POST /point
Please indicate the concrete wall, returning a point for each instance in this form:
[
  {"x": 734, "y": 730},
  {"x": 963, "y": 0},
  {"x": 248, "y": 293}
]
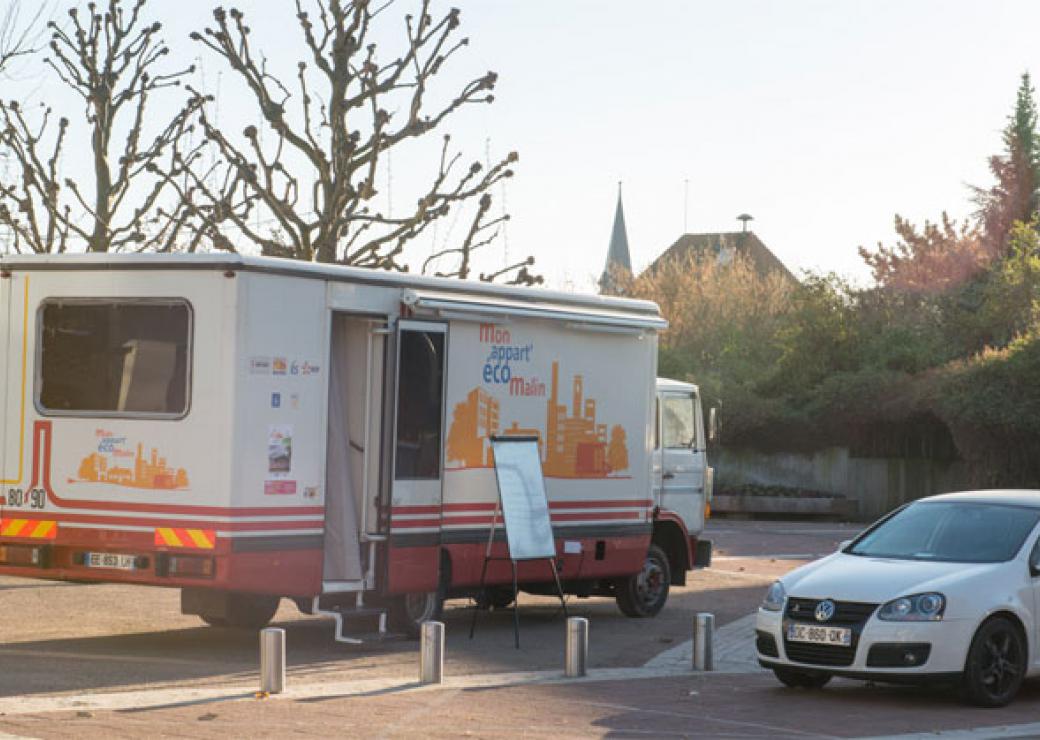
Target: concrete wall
[{"x": 875, "y": 485}]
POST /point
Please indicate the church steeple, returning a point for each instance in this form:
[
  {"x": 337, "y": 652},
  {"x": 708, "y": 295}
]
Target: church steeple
[{"x": 618, "y": 257}]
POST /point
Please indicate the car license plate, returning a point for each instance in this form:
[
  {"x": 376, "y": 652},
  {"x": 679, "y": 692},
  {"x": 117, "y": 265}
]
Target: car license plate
[
  {"x": 820, "y": 635},
  {"x": 110, "y": 560}
]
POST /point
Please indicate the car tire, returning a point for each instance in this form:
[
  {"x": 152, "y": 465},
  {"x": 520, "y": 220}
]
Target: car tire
[
  {"x": 796, "y": 679},
  {"x": 644, "y": 594},
  {"x": 996, "y": 664}
]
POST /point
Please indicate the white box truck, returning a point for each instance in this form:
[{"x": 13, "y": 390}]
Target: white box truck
[{"x": 247, "y": 429}]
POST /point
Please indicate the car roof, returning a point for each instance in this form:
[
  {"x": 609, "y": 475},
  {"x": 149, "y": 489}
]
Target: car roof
[{"x": 1017, "y": 497}]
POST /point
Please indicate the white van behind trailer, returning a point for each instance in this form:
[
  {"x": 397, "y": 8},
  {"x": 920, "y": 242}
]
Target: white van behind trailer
[{"x": 248, "y": 429}]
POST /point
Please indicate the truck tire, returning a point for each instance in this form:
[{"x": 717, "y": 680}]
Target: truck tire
[
  {"x": 644, "y": 594},
  {"x": 495, "y": 597},
  {"x": 245, "y": 611},
  {"x": 408, "y": 612}
]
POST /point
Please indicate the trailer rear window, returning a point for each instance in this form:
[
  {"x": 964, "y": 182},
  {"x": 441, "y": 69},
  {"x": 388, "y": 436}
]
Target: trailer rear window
[{"x": 114, "y": 358}]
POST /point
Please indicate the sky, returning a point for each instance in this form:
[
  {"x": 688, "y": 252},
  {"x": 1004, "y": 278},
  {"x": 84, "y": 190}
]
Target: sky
[{"x": 821, "y": 119}]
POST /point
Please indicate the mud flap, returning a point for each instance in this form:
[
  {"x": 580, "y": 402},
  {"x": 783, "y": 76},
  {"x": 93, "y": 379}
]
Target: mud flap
[{"x": 702, "y": 556}]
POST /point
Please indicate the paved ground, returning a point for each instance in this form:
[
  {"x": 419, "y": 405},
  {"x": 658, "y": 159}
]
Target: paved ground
[{"x": 108, "y": 661}]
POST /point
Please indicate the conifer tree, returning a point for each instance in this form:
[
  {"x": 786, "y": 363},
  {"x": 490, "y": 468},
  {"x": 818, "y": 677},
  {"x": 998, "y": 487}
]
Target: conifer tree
[{"x": 1017, "y": 171}]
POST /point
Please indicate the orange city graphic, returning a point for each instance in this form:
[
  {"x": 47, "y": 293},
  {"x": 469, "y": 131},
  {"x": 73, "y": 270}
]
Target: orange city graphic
[
  {"x": 574, "y": 446},
  {"x": 116, "y": 464}
]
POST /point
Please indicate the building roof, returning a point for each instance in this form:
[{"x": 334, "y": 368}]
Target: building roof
[
  {"x": 618, "y": 256},
  {"x": 723, "y": 246}
]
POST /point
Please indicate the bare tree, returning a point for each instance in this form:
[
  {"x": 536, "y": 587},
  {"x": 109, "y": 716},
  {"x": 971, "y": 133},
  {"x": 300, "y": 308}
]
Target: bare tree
[
  {"x": 313, "y": 178},
  {"x": 17, "y": 36},
  {"x": 111, "y": 59}
]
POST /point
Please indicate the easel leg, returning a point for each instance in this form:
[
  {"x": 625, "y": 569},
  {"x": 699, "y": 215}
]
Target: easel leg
[
  {"x": 559, "y": 586},
  {"x": 476, "y": 603},
  {"x": 516, "y": 609}
]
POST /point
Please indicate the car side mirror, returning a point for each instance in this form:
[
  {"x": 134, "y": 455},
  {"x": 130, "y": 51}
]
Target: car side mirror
[{"x": 713, "y": 424}]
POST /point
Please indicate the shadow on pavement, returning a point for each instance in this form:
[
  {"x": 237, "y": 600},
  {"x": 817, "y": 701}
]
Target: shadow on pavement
[{"x": 213, "y": 656}]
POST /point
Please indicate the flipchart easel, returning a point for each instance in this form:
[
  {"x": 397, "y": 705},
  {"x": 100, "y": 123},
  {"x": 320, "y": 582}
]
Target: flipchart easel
[{"x": 525, "y": 516}]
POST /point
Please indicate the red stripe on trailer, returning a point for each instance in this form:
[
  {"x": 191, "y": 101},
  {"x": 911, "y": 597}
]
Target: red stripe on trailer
[
  {"x": 601, "y": 504},
  {"x": 597, "y": 516}
]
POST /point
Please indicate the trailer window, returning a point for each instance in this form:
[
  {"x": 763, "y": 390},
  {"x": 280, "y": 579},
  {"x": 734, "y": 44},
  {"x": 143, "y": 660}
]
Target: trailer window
[
  {"x": 114, "y": 358},
  {"x": 678, "y": 428}
]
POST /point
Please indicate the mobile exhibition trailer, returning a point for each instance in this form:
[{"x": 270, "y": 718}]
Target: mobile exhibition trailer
[{"x": 248, "y": 429}]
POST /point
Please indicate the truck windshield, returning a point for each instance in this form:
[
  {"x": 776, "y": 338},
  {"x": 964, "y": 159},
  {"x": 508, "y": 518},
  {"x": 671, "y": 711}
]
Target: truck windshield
[
  {"x": 960, "y": 532},
  {"x": 114, "y": 358}
]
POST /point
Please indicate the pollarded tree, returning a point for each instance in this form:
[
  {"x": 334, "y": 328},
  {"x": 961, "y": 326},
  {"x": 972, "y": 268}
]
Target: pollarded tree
[
  {"x": 111, "y": 57},
  {"x": 303, "y": 183}
]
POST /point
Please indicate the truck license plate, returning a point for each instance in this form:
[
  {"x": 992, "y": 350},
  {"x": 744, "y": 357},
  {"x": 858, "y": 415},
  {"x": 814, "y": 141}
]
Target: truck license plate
[
  {"x": 110, "y": 560},
  {"x": 819, "y": 635}
]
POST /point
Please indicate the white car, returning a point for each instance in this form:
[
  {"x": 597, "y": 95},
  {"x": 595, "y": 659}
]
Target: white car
[{"x": 943, "y": 589}]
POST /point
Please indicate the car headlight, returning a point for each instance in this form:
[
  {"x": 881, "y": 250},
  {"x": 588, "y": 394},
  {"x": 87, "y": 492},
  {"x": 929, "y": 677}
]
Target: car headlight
[
  {"x": 775, "y": 596},
  {"x": 916, "y": 608}
]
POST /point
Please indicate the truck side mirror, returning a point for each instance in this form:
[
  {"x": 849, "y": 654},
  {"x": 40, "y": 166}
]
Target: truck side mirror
[{"x": 713, "y": 424}]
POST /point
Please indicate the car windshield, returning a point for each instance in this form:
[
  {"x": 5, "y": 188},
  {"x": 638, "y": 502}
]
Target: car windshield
[{"x": 959, "y": 532}]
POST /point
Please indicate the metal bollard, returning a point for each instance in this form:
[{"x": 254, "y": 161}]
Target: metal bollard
[
  {"x": 431, "y": 653},
  {"x": 703, "y": 642},
  {"x": 272, "y": 660},
  {"x": 577, "y": 657}
]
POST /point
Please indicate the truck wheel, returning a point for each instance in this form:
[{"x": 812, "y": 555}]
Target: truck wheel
[
  {"x": 408, "y": 612},
  {"x": 645, "y": 593},
  {"x": 495, "y": 597},
  {"x": 245, "y": 611}
]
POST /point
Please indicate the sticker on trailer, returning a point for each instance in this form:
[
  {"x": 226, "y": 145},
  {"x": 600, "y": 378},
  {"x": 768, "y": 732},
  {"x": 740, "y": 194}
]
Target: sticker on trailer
[
  {"x": 259, "y": 365},
  {"x": 279, "y": 487},
  {"x": 279, "y": 448}
]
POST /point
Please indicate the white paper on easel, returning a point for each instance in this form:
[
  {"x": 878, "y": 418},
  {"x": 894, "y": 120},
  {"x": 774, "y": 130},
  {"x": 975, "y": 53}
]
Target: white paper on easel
[{"x": 521, "y": 489}]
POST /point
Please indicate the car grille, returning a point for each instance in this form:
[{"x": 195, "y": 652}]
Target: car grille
[{"x": 851, "y": 614}]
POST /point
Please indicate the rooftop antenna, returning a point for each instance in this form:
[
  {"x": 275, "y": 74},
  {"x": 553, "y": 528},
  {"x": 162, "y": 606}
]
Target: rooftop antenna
[
  {"x": 744, "y": 218},
  {"x": 685, "y": 204}
]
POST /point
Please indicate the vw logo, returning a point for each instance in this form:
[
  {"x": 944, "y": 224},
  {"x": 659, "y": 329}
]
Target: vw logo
[{"x": 824, "y": 611}]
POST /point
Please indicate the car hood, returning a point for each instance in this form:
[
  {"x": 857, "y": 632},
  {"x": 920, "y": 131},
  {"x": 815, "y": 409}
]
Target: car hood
[{"x": 877, "y": 580}]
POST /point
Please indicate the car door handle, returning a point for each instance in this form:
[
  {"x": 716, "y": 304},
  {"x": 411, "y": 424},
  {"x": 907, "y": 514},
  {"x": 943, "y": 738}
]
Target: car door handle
[{"x": 667, "y": 476}]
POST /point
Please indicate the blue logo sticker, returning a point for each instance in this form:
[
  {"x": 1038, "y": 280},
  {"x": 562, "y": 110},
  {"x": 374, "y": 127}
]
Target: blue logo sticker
[{"x": 276, "y": 400}]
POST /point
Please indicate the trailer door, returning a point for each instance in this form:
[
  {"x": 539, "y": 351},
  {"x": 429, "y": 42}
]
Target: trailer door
[
  {"x": 418, "y": 456},
  {"x": 352, "y": 458}
]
